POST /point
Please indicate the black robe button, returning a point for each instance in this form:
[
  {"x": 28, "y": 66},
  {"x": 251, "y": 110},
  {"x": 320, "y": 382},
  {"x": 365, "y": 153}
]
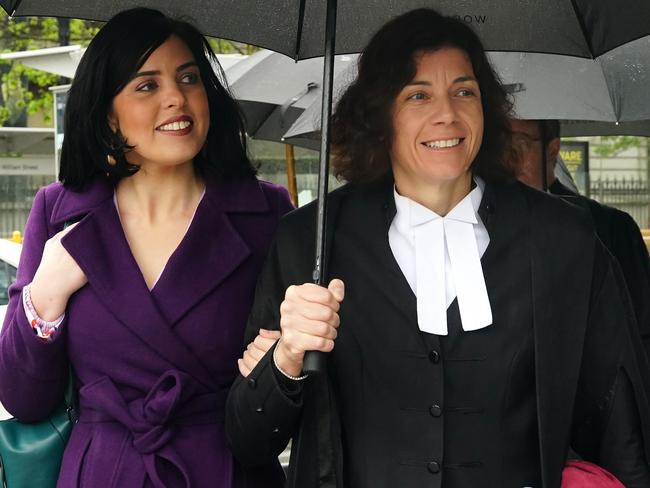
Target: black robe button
[
  {"x": 259, "y": 409},
  {"x": 434, "y": 467},
  {"x": 252, "y": 384},
  {"x": 434, "y": 356},
  {"x": 435, "y": 410}
]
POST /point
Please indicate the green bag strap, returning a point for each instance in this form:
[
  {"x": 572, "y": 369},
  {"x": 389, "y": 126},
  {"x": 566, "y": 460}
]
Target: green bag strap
[
  {"x": 68, "y": 223},
  {"x": 70, "y": 399}
]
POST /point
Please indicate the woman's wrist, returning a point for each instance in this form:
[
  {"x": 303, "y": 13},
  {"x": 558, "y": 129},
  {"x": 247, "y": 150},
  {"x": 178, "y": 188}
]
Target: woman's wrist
[
  {"x": 43, "y": 329},
  {"x": 47, "y": 306},
  {"x": 287, "y": 363}
]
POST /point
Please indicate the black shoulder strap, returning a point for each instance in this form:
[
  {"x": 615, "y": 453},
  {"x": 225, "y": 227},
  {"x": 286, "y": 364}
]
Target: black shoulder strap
[{"x": 70, "y": 399}]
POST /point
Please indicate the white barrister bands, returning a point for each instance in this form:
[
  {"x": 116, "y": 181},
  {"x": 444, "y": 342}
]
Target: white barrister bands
[{"x": 441, "y": 260}]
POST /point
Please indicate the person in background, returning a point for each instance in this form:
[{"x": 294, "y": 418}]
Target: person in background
[
  {"x": 145, "y": 298},
  {"x": 474, "y": 326},
  {"x": 536, "y": 141}
]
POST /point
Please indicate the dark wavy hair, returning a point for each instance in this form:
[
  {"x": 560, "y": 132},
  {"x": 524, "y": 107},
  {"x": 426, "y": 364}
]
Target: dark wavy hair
[
  {"x": 116, "y": 53},
  {"x": 362, "y": 130}
]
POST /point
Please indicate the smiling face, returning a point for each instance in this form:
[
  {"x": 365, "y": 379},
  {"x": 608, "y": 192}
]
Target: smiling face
[
  {"x": 437, "y": 124},
  {"x": 163, "y": 110}
]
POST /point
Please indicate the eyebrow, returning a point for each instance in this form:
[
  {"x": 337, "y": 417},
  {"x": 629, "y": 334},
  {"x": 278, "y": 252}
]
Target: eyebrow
[
  {"x": 460, "y": 79},
  {"x": 156, "y": 72}
]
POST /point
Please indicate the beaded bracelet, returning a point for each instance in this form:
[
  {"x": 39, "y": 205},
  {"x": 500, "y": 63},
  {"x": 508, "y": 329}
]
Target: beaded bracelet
[
  {"x": 283, "y": 373},
  {"x": 42, "y": 328}
]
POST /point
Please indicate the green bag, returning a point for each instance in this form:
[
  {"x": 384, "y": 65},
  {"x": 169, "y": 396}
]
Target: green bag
[{"x": 30, "y": 454}]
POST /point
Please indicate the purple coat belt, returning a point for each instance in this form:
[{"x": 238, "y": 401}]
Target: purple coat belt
[{"x": 172, "y": 401}]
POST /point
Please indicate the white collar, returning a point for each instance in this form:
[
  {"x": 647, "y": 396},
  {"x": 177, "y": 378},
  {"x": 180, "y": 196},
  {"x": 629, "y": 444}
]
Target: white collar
[
  {"x": 440, "y": 256},
  {"x": 411, "y": 214}
]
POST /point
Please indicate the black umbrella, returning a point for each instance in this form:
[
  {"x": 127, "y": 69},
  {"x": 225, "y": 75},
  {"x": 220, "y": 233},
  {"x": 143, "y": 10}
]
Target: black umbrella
[
  {"x": 571, "y": 128},
  {"x": 611, "y": 91},
  {"x": 273, "y": 91},
  {"x": 583, "y": 28},
  {"x": 610, "y": 88}
]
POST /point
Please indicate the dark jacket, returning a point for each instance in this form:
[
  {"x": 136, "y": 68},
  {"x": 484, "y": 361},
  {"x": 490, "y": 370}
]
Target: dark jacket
[
  {"x": 590, "y": 382},
  {"x": 622, "y": 237}
]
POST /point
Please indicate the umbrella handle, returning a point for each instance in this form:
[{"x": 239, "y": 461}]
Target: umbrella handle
[{"x": 315, "y": 362}]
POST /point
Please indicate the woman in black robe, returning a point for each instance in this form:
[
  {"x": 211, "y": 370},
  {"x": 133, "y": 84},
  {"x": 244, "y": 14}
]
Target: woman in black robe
[{"x": 475, "y": 328}]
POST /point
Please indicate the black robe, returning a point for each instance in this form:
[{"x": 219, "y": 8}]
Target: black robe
[
  {"x": 622, "y": 237},
  {"x": 349, "y": 429}
]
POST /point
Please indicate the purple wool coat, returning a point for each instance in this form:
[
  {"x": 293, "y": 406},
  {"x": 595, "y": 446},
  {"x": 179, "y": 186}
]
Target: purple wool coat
[{"x": 152, "y": 368}]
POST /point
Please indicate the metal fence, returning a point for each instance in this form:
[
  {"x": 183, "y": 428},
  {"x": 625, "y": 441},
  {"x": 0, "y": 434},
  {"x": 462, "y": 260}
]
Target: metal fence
[
  {"x": 627, "y": 194},
  {"x": 16, "y": 193},
  {"x": 16, "y": 196}
]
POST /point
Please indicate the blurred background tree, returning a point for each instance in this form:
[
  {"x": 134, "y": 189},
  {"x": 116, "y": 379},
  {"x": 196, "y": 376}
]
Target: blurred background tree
[
  {"x": 611, "y": 146},
  {"x": 224, "y": 46},
  {"x": 24, "y": 90}
]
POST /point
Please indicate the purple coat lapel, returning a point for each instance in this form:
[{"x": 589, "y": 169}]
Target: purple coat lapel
[{"x": 211, "y": 250}]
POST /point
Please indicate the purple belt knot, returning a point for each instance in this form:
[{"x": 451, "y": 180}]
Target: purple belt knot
[{"x": 174, "y": 399}]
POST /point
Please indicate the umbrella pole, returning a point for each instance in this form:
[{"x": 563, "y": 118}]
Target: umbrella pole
[
  {"x": 314, "y": 362},
  {"x": 543, "y": 136},
  {"x": 292, "y": 186}
]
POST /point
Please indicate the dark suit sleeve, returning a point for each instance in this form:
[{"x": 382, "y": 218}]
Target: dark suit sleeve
[
  {"x": 33, "y": 373},
  {"x": 630, "y": 251},
  {"x": 260, "y": 414},
  {"x": 611, "y": 413}
]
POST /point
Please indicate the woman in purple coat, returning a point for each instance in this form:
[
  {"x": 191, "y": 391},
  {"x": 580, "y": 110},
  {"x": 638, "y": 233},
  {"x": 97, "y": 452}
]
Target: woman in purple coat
[{"x": 146, "y": 295}]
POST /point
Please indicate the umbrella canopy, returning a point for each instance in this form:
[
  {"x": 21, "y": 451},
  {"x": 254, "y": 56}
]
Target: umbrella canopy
[
  {"x": 571, "y": 128},
  {"x": 305, "y": 131},
  {"x": 611, "y": 88},
  {"x": 584, "y": 28},
  {"x": 274, "y": 90},
  {"x": 605, "y": 96}
]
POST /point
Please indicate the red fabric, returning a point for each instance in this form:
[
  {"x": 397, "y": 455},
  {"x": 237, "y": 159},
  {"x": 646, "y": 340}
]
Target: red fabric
[{"x": 582, "y": 474}]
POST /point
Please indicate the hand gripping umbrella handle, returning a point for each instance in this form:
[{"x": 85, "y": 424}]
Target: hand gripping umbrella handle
[{"x": 315, "y": 362}]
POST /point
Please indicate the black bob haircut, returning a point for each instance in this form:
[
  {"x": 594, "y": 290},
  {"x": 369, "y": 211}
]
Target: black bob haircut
[
  {"x": 362, "y": 131},
  {"x": 116, "y": 53}
]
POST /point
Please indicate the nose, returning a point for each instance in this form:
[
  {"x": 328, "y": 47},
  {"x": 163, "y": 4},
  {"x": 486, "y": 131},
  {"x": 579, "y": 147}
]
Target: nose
[
  {"x": 443, "y": 111},
  {"x": 173, "y": 96}
]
